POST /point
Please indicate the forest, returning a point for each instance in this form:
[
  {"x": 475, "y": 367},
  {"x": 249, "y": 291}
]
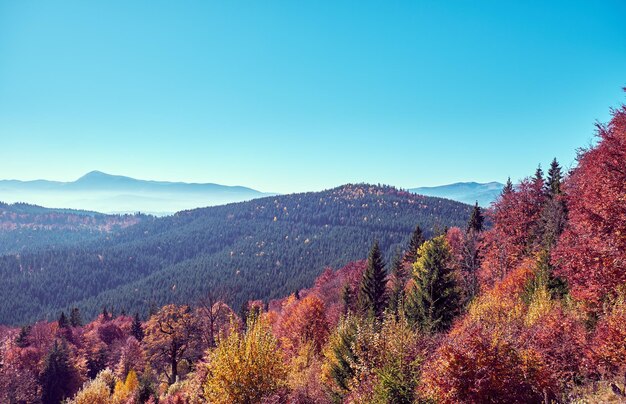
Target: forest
[
  {"x": 530, "y": 309},
  {"x": 261, "y": 249}
]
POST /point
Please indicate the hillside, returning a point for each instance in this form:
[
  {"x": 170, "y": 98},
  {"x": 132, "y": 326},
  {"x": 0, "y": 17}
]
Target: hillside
[
  {"x": 108, "y": 193},
  {"x": 261, "y": 249},
  {"x": 30, "y": 227},
  {"x": 466, "y": 192}
]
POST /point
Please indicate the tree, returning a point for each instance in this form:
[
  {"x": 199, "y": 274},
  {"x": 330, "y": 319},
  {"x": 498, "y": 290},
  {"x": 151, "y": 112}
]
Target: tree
[
  {"x": 346, "y": 298},
  {"x": 372, "y": 292},
  {"x": 555, "y": 178},
  {"x": 136, "y": 330},
  {"x": 476, "y": 220},
  {"x": 508, "y": 187},
  {"x": 75, "y": 318},
  {"x": 304, "y": 322},
  {"x": 63, "y": 322},
  {"x": 341, "y": 358},
  {"x": 22, "y": 338},
  {"x": 59, "y": 379},
  {"x": 398, "y": 279},
  {"x": 591, "y": 252},
  {"x": 245, "y": 368},
  {"x": 415, "y": 242},
  {"x": 213, "y": 309},
  {"x": 433, "y": 297},
  {"x": 170, "y": 336}
]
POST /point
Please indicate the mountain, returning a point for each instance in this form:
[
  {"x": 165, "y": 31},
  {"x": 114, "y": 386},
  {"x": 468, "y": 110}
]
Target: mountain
[
  {"x": 260, "y": 249},
  {"x": 466, "y": 192},
  {"x": 25, "y": 227},
  {"x": 107, "y": 193}
]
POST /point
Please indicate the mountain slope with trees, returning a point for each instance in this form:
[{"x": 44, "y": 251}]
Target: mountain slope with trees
[{"x": 260, "y": 249}]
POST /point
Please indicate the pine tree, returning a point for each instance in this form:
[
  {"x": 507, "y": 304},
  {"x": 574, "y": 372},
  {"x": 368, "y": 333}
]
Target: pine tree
[
  {"x": 538, "y": 174},
  {"x": 372, "y": 293},
  {"x": 22, "y": 338},
  {"x": 136, "y": 329},
  {"x": 433, "y": 300},
  {"x": 63, "y": 322},
  {"x": 105, "y": 314},
  {"x": 346, "y": 298},
  {"x": 476, "y": 220},
  {"x": 399, "y": 276},
  {"x": 58, "y": 377},
  {"x": 555, "y": 178},
  {"x": 417, "y": 239},
  {"x": 75, "y": 318},
  {"x": 508, "y": 188}
]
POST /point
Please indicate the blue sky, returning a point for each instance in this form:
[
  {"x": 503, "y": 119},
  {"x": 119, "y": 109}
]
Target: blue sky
[{"x": 292, "y": 96}]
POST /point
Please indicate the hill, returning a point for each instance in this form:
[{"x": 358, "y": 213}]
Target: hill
[
  {"x": 466, "y": 192},
  {"x": 261, "y": 249},
  {"x": 30, "y": 227},
  {"x": 107, "y": 193}
]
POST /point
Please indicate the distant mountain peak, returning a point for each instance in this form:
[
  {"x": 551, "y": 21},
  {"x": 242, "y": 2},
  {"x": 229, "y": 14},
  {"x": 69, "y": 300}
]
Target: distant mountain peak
[{"x": 467, "y": 192}]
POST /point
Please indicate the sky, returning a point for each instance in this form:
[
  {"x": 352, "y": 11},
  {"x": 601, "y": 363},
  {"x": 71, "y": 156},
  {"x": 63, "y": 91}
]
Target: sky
[{"x": 287, "y": 96}]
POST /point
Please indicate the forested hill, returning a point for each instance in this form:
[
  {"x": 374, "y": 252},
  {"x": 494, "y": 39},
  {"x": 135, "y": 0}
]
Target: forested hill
[
  {"x": 261, "y": 249},
  {"x": 30, "y": 227}
]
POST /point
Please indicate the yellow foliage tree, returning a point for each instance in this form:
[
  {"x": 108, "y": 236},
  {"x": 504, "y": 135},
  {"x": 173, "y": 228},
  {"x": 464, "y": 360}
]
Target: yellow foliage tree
[{"x": 245, "y": 368}]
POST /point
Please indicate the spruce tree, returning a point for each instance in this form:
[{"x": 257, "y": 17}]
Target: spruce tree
[
  {"x": 476, "y": 220},
  {"x": 22, "y": 338},
  {"x": 75, "y": 318},
  {"x": 372, "y": 293},
  {"x": 538, "y": 174},
  {"x": 508, "y": 187},
  {"x": 346, "y": 298},
  {"x": 433, "y": 300},
  {"x": 63, "y": 322},
  {"x": 58, "y": 377},
  {"x": 398, "y": 280},
  {"x": 555, "y": 178},
  {"x": 136, "y": 329},
  {"x": 417, "y": 239}
]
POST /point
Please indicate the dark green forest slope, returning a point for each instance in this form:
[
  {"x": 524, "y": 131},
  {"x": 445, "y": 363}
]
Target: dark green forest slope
[{"x": 261, "y": 249}]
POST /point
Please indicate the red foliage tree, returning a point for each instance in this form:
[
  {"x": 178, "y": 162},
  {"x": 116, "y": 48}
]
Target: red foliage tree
[{"x": 591, "y": 253}]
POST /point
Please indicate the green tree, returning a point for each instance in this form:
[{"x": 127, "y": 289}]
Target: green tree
[
  {"x": 415, "y": 242},
  {"x": 433, "y": 299},
  {"x": 340, "y": 356},
  {"x": 372, "y": 292},
  {"x": 136, "y": 330},
  {"x": 399, "y": 276},
  {"x": 22, "y": 338},
  {"x": 75, "y": 318},
  {"x": 63, "y": 322},
  {"x": 555, "y": 178},
  {"x": 59, "y": 379},
  {"x": 476, "y": 220},
  {"x": 508, "y": 187}
]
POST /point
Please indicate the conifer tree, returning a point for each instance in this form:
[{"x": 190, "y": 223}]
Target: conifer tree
[
  {"x": 58, "y": 376},
  {"x": 398, "y": 280},
  {"x": 75, "y": 318},
  {"x": 63, "y": 322},
  {"x": 136, "y": 329},
  {"x": 346, "y": 298},
  {"x": 538, "y": 174},
  {"x": 476, "y": 220},
  {"x": 508, "y": 187},
  {"x": 372, "y": 293},
  {"x": 417, "y": 239},
  {"x": 433, "y": 300},
  {"x": 555, "y": 178},
  {"x": 22, "y": 338}
]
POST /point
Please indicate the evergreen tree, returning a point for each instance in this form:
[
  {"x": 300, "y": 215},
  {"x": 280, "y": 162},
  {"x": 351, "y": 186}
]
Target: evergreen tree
[
  {"x": 58, "y": 378},
  {"x": 476, "y": 220},
  {"x": 508, "y": 187},
  {"x": 136, "y": 329},
  {"x": 399, "y": 276},
  {"x": 346, "y": 298},
  {"x": 63, "y": 322},
  {"x": 75, "y": 318},
  {"x": 417, "y": 239},
  {"x": 372, "y": 293},
  {"x": 555, "y": 178},
  {"x": 22, "y": 338},
  {"x": 538, "y": 174},
  {"x": 342, "y": 357},
  {"x": 105, "y": 314},
  {"x": 433, "y": 300}
]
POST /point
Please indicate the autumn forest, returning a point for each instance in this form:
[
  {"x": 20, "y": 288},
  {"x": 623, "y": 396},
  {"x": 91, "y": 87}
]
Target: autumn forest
[{"x": 520, "y": 302}]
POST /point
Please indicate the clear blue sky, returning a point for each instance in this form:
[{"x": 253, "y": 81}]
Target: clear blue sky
[{"x": 290, "y": 95}]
